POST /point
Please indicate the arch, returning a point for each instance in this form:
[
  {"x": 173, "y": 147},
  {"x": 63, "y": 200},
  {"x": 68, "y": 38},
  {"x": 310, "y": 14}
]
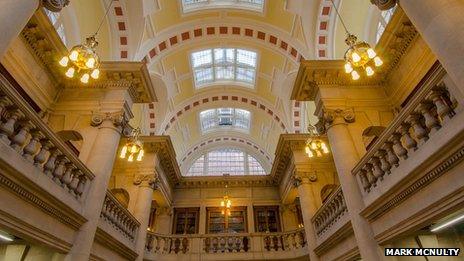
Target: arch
[
  {"x": 241, "y": 99},
  {"x": 370, "y": 134},
  {"x": 70, "y": 135},
  {"x": 251, "y": 147},
  {"x": 193, "y": 31}
]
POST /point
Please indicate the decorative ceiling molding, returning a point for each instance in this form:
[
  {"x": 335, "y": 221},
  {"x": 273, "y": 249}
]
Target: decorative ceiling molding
[
  {"x": 220, "y": 99},
  {"x": 119, "y": 23},
  {"x": 153, "y": 51},
  {"x": 232, "y": 181},
  {"x": 325, "y": 31}
]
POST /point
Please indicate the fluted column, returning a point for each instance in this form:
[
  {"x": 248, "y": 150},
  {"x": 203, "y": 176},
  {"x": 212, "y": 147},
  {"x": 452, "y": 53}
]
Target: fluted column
[
  {"x": 441, "y": 24},
  {"x": 145, "y": 184},
  {"x": 15, "y": 14},
  {"x": 346, "y": 157},
  {"x": 100, "y": 162},
  {"x": 309, "y": 207}
]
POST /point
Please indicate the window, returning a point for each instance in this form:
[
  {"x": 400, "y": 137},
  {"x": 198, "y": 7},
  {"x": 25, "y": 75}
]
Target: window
[
  {"x": 224, "y": 65},
  {"x": 195, "y": 5},
  {"x": 227, "y": 160},
  {"x": 57, "y": 21},
  {"x": 224, "y": 117},
  {"x": 385, "y": 17}
]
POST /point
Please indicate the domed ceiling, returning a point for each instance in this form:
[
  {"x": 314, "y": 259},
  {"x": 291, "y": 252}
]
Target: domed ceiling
[{"x": 219, "y": 60}]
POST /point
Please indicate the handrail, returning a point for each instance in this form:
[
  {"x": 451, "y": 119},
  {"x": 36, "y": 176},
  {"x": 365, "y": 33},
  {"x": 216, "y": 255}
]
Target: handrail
[
  {"x": 116, "y": 214},
  {"x": 23, "y": 130}
]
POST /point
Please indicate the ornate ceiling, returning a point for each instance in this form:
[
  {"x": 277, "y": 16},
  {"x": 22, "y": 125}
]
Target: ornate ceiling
[{"x": 159, "y": 33}]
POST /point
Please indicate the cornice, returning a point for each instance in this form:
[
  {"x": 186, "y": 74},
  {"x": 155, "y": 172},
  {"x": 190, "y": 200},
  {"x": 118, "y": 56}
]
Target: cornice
[
  {"x": 220, "y": 182},
  {"x": 283, "y": 154},
  {"x": 45, "y": 44},
  {"x": 314, "y": 74},
  {"x": 162, "y": 146}
]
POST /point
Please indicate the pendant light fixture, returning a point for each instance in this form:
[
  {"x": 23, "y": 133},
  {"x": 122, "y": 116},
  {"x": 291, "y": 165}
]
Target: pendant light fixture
[
  {"x": 360, "y": 57},
  {"x": 226, "y": 203},
  {"x": 82, "y": 60},
  {"x": 133, "y": 148},
  {"x": 315, "y": 146}
]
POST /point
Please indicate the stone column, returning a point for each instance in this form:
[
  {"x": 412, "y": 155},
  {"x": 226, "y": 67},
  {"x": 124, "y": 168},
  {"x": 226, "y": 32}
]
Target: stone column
[
  {"x": 346, "y": 157},
  {"x": 306, "y": 193},
  {"x": 146, "y": 184},
  {"x": 250, "y": 218},
  {"x": 163, "y": 221},
  {"x": 202, "y": 220},
  {"x": 441, "y": 24},
  {"x": 103, "y": 154},
  {"x": 15, "y": 14}
]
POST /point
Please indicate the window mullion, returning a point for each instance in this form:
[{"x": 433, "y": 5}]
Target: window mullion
[{"x": 247, "y": 170}]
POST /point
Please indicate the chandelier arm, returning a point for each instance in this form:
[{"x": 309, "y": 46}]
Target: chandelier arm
[{"x": 339, "y": 16}]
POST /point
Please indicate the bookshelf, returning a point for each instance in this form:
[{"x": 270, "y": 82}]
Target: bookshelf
[
  {"x": 186, "y": 220},
  {"x": 219, "y": 223},
  {"x": 267, "y": 218}
]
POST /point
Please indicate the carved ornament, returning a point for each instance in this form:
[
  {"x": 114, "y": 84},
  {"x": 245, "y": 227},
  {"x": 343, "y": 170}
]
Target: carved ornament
[
  {"x": 147, "y": 180},
  {"x": 118, "y": 118},
  {"x": 55, "y": 5},
  {"x": 384, "y": 4}
]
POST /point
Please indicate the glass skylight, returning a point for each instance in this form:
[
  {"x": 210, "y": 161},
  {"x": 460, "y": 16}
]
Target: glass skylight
[
  {"x": 224, "y": 65},
  {"x": 57, "y": 21},
  {"x": 224, "y": 118},
  {"x": 385, "y": 17},
  {"x": 226, "y": 161},
  {"x": 194, "y": 5}
]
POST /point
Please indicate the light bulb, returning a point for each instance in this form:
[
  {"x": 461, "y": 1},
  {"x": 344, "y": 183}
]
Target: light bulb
[
  {"x": 134, "y": 149},
  {"x": 70, "y": 72},
  {"x": 123, "y": 152},
  {"x": 64, "y": 61},
  {"x": 310, "y": 154},
  {"x": 307, "y": 150},
  {"x": 355, "y": 56},
  {"x": 355, "y": 75},
  {"x": 371, "y": 53},
  {"x": 131, "y": 158},
  {"x": 95, "y": 74},
  {"x": 90, "y": 62},
  {"x": 318, "y": 153},
  {"x": 222, "y": 203},
  {"x": 222, "y": 212},
  {"x": 378, "y": 62},
  {"x": 348, "y": 68},
  {"x": 140, "y": 156},
  {"x": 85, "y": 78},
  {"x": 313, "y": 145},
  {"x": 74, "y": 55},
  {"x": 369, "y": 71}
]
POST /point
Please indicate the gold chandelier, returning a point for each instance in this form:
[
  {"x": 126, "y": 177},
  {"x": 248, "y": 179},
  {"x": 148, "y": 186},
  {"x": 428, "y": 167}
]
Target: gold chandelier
[
  {"x": 360, "y": 56},
  {"x": 315, "y": 146},
  {"x": 82, "y": 60},
  {"x": 226, "y": 203},
  {"x": 133, "y": 147}
]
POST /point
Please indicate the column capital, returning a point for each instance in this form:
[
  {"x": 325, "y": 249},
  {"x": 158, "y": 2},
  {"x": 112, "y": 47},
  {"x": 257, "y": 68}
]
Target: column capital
[
  {"x": 331, "y": 117},
  {"x": 55, "y": 5},
  {"x": 118, "y": 118},
  {"x": 300, "y": 178},
  {"x": 147, "y": 180},
  {"x": 384, "y": 4}
]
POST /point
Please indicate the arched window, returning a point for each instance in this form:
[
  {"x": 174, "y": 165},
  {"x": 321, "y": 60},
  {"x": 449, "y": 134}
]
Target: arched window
[
  {"x": 226, "y": 161},
  {"x": 225, "y": 118},
  {"x": 384, "y": 18},
  {"x": 195, "y": 5},
  {"x": 224, "y": 65},
  {"x": 57, "y": 20}
]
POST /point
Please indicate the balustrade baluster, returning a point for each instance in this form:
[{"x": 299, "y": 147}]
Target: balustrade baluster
[
  {"x": 31, "y": 149},
  {"x": 19, "y": 140},
  {"x": 68, "y": 174},
  {"x": 431, "y": 122},
  {"x": 409, "y": 142},
  {"x": 420, "y": 132},
  {"x": 443, "y": 110},
  {"x": 398, "y": 148},
  {"x": 8, "y": 128},
  {"x": 60, "y": 169},
  {"x": 377, "y": 171}
]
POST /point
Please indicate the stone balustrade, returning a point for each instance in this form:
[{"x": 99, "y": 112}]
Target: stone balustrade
[
  {"x": 23, "y": 130},
  {"x": 240, "y": 243},
  {"x": 330, "y": 212},
  {"x": 426, "y": 113},
  {"x": 119, "y": 217}
]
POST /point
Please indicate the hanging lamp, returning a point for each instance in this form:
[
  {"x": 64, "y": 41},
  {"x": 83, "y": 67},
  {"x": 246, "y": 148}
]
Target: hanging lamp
[
  {"x": 315, "y": 146},
  {"x": 360, "y": 57},
  {"x": 133, "y": 148},
  {"x": 82, "y": 60}
]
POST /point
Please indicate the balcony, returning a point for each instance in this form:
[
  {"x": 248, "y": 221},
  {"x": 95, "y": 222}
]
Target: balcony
[{"x": 247, "y": 246}]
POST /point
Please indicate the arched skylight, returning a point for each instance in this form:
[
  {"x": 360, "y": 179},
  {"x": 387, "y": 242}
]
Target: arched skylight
[
  {"x": 224, "y": 65},
  {"x": 194, "y": 5},
  {"x": 226, "y": 161},
  {"x": 224, "y": 118},
  {"x": 385, "y": 17},
  {"x": 57, "y": 20}
]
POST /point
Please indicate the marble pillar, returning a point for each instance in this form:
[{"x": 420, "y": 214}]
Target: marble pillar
[
  {"x": 202, "y": 220},
  {"x": 441, "y": 24},
  {"x": 309, "y": 207},
  {"x": 346, "y": 157},
  {"x": 145, "y": 185},
  {"x": 101, "y": 161}
]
